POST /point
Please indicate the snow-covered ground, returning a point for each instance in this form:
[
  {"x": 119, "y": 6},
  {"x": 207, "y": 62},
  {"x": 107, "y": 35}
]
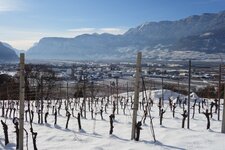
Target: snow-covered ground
[
  {"x": 95, "y": 133},
  {"x": 12, "y": 73}
]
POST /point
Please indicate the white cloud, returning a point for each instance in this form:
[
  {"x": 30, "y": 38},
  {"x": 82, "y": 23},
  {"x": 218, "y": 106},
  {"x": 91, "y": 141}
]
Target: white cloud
[
  {"x": 10, "y": 5},
  {"x": 113, "y": 30},
  {"x": 78, "y": 31},
  {"x": 82, "y": 30},
  {"x": 23, "y": 44}
]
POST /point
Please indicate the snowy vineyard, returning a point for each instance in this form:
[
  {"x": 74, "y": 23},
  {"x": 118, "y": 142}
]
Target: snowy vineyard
[{"x": 66, "y": 125}]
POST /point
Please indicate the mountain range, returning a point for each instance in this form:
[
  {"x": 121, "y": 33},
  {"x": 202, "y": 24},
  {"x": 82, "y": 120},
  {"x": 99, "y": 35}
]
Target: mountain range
[
  {"x": 7, "y": 54},
  {"x": 198, "y": 36}
]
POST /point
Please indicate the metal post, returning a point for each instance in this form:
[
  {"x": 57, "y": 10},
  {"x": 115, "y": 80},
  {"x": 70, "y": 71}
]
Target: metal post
[
  {"x": 36, "y": 97},
  {"x": 117, "y": 96},
  {"x": 219, "y": 88},
  {"x": 127, "y": 92},
  {"x": 111, "y": 91},
  {"x": 92, "y": 93},
  {"x": 84, "y": 96},
  {"x": 136, "y": 95},
  {"x": 67, "y": 94},
  {"x": 60, "y": 91},
  {"x": 162, "y": 101},
  {"x": 22, "y": 91},
  {"x": 178, "y": 85},
  {"x": 42, "y": 100},
  {"x": 223, "y": 120},
  {"x": 189, "y": 92}
]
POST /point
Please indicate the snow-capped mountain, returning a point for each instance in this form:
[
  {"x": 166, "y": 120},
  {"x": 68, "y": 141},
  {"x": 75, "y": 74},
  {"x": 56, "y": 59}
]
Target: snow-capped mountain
[
  {"x": 7, "y": 54},
  {"x": 210, "y": 42},
  {"x": 16, "y": 50},
  {"x": 198, "y": 33}
]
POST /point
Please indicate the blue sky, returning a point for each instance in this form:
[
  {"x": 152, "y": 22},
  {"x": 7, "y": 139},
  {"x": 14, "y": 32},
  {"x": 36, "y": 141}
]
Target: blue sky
[{"x": 24, "y": 22}]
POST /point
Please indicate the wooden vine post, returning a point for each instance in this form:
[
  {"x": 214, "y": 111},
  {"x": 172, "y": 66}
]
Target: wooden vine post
[
  {"x": 136, "y": 95},
  {"x": 22, "y": 92}
]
